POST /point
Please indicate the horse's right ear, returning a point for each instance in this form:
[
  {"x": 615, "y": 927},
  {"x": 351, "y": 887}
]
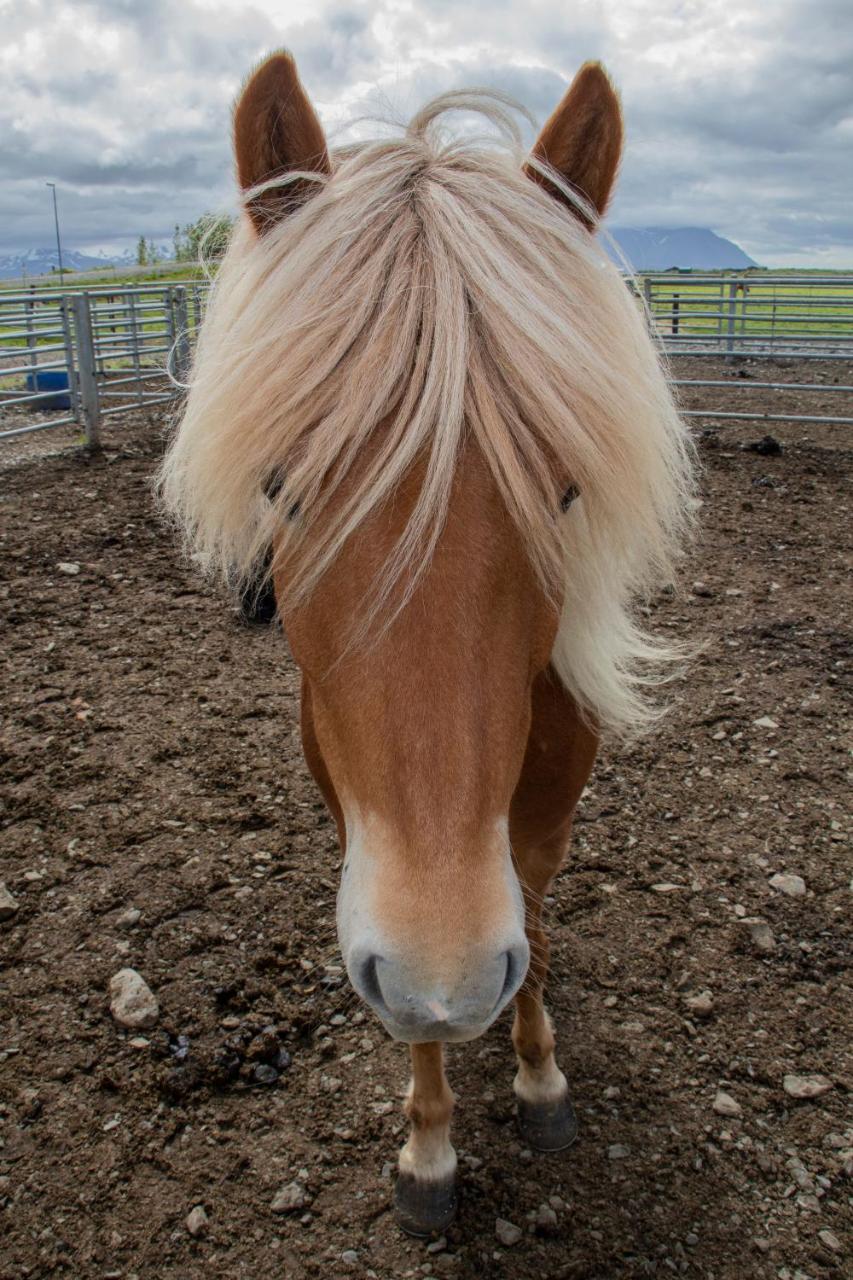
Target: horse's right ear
[{"x": 276, "y": 132}]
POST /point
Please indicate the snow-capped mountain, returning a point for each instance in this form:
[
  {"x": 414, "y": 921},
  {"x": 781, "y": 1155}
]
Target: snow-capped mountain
[
  {"x": 646, "y": 249},
  {"x": 42, "y": 262}
]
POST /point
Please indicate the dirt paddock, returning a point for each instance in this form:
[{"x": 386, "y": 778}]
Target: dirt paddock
[{"x": 157, "y": 814}]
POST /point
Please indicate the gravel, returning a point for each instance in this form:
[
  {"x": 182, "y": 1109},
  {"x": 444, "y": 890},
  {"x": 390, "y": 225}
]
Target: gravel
[
  {"x": 133, "y": 1003},
  {"x": 725, "y": 1105},
  {"x": 507, "y": 1232},
  {"x": 792, "y": 886},
  {"x": 8, "y": 904},
  {"x": 289, "y": 1198},
  {"x": 806, "y": 1086},
  {"x": 197, "y": 1221}
]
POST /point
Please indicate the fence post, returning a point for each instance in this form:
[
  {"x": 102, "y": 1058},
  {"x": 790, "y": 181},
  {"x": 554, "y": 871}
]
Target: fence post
[
  {"x": 87, "y": 377},
  {"x": 182, "y": 334},
  {"x": 65, "y": 307},
  {"x": 731, "y": 319}
]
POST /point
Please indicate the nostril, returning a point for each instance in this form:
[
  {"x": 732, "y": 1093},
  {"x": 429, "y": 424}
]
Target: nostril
[
  {"x": 368, "y": 981},
  {"x": 516, "y": 963}
]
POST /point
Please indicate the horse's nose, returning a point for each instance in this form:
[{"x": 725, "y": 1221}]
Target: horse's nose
[{"x": 417, "y": 1009}]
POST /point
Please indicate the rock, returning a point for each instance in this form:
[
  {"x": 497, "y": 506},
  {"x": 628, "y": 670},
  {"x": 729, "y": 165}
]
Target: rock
[
  {"x": 702, "y": 1005},
  {"x": 290, "y": 1198},
  {"x": 507, "y": 1232},
  {"x": 197, "y": 1221},
  {"x": 265, "y": 1074},
  {"x": 437, "y": 1246},
  {"x": 758, "y": 933},
  {"x": 617, "y": 1152},
  {"x": 68, "y": 566},
  {"x": 545, "y": 1221},
  {"x": 806, "y": 1086},
  {"x": 129, "y": 918},
  {"x": 765, "y": 722},
  {"x": 349, "y": 1257},
  {"x": 830, "y": 1239},
  {"x": 666, "y": 886},
  {"x": 8, "y": 905},
  {"x": 725, "y": 1105},
  {"x": 133, "y": 1003},
  {"x": 792, "y": 886}
]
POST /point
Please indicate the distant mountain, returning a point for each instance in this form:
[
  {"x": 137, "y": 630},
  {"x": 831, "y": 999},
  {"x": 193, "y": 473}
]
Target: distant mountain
[
  {"x": 41, "y": 262},
  {"x": 646, "y": 248},
  {"x": 662, "y": 248}
]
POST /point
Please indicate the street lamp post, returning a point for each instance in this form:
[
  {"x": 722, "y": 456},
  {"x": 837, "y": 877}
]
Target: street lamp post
[{"x": 52, "y": 185}]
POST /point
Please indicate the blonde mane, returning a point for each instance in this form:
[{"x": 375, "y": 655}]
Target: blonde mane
[{"x": 431, "y": 287}]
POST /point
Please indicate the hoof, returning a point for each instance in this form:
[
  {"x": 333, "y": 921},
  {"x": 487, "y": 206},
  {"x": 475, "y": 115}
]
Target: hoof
[
  {"x": 548, "y": 1126},
  {"x": 424, "y": 1208}
]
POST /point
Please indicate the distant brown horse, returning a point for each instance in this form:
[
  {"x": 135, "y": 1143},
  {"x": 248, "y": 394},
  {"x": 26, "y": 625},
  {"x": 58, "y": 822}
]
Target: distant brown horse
[{"x": 422, "y": 383}]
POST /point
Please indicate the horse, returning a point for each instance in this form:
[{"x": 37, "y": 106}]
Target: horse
[{"x": 425, "y": 402}]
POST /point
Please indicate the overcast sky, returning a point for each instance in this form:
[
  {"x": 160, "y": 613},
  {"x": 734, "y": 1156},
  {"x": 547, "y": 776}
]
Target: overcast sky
[{"x": 739, "y": 112}]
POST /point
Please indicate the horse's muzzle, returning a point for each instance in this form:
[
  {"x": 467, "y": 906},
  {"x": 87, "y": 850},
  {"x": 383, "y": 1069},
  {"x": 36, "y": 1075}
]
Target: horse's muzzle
[{"x": 418, "y": 1010}]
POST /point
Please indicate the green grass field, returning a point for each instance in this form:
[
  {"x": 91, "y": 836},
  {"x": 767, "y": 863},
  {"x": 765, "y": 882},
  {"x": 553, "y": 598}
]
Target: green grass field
[{"x": 745, "y": 306}]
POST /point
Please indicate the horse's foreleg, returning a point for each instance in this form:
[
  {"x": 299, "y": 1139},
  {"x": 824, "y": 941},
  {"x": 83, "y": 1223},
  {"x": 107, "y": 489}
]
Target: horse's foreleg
[
  {"x": 425, "y": 1194},
  {"x": 546, "y": 1117}
]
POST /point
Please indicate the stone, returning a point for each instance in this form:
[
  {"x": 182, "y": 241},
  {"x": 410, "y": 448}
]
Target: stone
[
  {"x": 133, "y": 1003},
  {"x": 545, "y": 1220},
  {"x": 68, "y": 566},
  {"x": 617, "y": 1152},
  {"x": 197, "y": 1221},
  {"x": 129, "y": 918},
  {"x": 289, "y": 1198},
  {"x": 8, "y": 905},
  {"x": 725, "y": 1105},
  {"x": 764, "y": 722},
  {"x": 830, "y": 1239},
  {"x": 758, "y": 933},
  {"x": 792, "y": 886},
  {"x": 349, "y": 1257},
  {"x": 806, "y": 1086},
  {"x": 701, "y": 1006},
  {"x": 265, "y": 1074},
  {"x": 507, "y": 1232}
]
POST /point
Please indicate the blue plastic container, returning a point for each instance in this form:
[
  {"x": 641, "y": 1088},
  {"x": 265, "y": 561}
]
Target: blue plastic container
[{"x": 54, "y": 380}]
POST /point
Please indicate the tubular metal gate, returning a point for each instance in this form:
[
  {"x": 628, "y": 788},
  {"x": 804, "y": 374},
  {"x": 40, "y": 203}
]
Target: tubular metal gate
[
  {"x": 773, "y": 319},
  {"x": 82, "y": 357},
  {"x": 78, "y": 358}
]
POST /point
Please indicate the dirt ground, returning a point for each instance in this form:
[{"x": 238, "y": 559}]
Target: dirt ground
[{"x": 151, "y": 764}]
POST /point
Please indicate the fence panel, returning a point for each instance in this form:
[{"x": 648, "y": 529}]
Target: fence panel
[{"x": 83, "y": 357}]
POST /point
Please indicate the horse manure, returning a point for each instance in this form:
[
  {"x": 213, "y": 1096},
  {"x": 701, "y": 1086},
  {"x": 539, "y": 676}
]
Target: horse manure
[
  {"x": 767, "y": 447},
  {"x": 252, "y": 1055}
]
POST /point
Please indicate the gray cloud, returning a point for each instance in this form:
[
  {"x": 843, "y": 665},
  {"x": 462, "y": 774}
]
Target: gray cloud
[{"x": 740, "y": 117}]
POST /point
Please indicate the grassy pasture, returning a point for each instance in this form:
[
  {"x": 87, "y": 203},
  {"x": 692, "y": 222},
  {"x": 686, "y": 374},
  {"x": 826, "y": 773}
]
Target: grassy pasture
[{"x": 745, "y": 306}]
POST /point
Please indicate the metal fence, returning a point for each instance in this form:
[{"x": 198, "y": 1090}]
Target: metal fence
[
  {"x": 79, "y": 358},
  {"x": 82, "y": 357},
  {"x": 773, "y": 319}
]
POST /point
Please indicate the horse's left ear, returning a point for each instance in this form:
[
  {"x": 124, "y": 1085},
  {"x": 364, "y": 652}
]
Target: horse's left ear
[
  {"x": 583, "y": 141},
  {"x": 276, "y": 132}
]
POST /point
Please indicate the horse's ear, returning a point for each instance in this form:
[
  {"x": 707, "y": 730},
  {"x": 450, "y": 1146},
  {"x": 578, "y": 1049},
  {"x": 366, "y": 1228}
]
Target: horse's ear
[
  {"x": 276, "y": 131},
  {"x": 583, "y": 140}
]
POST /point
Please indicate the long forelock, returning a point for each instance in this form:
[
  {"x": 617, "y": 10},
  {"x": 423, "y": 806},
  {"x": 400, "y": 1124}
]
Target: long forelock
[{"x": 427, "y": 297}]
